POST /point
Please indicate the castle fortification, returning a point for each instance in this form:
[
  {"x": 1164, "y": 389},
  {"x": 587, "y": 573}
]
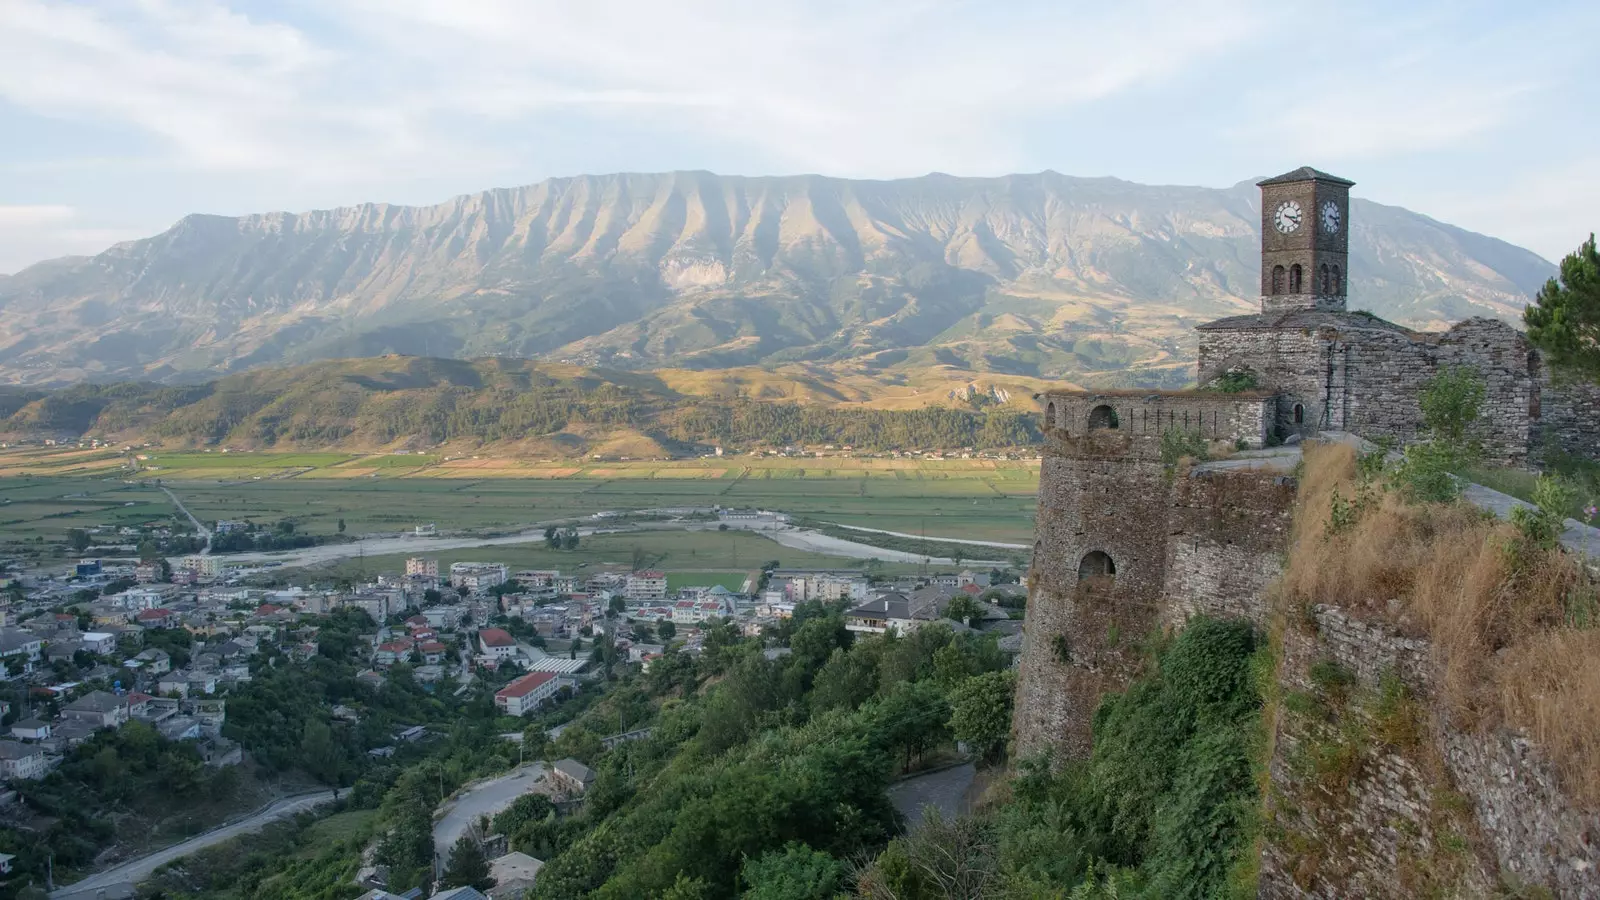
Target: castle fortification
[{"x": 1125, "y": 544}]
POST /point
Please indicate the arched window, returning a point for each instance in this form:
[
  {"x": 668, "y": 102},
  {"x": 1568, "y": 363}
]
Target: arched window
[
  {"x": 1299, "y": 414},
  {"x": 1102, "y": 417},
  {"x": 1327, "y": 280},
  {"x": 1294, "y": 279},
  {"x": 1338, "y": 285},
  {"x": 1096, "y": 564},
  {"x": 1277, "y": 279},
  {"x": 1050, "y": 414}
]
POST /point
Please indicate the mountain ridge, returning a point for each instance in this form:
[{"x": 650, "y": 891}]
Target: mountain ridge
[{"x": 1041, "y": 275}]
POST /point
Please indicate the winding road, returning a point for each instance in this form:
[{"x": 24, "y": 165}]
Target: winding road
[
  {"x": 483, "y": 799},
  {"x": 204, "y": 532},
  {"x": 119, "y": 881}
]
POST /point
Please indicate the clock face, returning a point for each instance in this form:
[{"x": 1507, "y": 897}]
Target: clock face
[
  {"x": 1330, "y": 217},
  {"x": 1287, "y": 218}
]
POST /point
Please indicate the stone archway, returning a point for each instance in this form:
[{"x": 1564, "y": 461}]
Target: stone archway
[
  {"x": 1096, "y": 564},
  {"x": 1102, "y": 417}
]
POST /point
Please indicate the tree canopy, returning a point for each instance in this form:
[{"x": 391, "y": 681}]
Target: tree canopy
[{"x": 1564, "y": 318}]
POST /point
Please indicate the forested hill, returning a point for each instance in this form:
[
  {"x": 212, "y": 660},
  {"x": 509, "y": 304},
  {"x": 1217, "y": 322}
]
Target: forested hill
[{"x": 405, "y": 402}]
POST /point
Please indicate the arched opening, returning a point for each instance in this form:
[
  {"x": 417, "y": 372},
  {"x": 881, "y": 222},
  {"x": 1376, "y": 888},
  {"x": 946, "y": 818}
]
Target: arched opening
[
  {"x": 1096, "y": 564},
  {"x": 1294, "y": 279},
  {"x": 1299, "y": 414},
  {"x": 1327, "y": 279},
  {"x": 1338, "y": 286},
  {"x": 1050, "y": 414},
  {"x": 1102, "y": 416},
  {"x": 1277, "y": 279}
]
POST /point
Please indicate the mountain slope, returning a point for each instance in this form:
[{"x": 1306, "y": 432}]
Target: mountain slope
[
  {"x": 533, "y": 408},
  {"x": 1038, "y": 275}
]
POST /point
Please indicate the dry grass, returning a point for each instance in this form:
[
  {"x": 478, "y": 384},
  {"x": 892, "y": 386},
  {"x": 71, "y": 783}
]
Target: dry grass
[{"x": 1494, "y": 609}]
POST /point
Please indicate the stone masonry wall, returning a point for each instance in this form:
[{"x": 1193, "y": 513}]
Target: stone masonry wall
[
  {"x": 1229, "y": 530},
  {"x": 1373, "y": 796},
  {"x": 1569, "y": 417},
  {"x": 1232, "y": 418}
]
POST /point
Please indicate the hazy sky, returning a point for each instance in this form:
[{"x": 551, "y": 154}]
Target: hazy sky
[{"x": 117, "y": 118}]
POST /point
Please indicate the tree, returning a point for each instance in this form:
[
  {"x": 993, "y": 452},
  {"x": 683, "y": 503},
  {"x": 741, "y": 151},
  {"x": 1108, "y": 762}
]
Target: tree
[
  {"x": 463, "y": 591},
  {"x": 796, "y": 873},
  {"x": 1564, "y": 318},
  {"x": 964, "y": 609},
  {"x": 551, "y": 538},
  {"x": 468, "y": 867},
  {"x": 667, "y": 630},
  {"x": 78, "y": 539},
  {"x": 980, "y": 712},
  {"x": 569, "y": 539},
  {"x": 431, "y": 596},
  {"x": 341, "y": 526}
]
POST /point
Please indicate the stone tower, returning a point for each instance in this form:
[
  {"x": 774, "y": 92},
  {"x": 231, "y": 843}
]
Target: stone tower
[{"x": 1305, "y": 241}]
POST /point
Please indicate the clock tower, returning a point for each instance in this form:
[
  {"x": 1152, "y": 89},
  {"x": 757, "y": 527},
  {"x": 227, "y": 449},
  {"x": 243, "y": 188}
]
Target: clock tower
[{"x": 1305, "y": 241}]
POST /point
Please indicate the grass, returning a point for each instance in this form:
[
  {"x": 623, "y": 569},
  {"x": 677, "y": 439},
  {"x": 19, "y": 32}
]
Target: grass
[
  {"x": 1519, "y": 483},
  {"x": 1497, "y": 612},
  {"x": 733, "y": 581}
]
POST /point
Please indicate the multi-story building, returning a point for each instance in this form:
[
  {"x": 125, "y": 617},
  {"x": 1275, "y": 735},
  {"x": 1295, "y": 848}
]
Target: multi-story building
[
  {"x": 19, "y": 760},
  {"x": 203, "y": 566},
  {"x": 497, "y": 643},
  {"x": 526, "y": 693},
  {"x": 477, "y": 577},
  {"x": 422, "y": 567},
  {"x": 649, "y": 586}
]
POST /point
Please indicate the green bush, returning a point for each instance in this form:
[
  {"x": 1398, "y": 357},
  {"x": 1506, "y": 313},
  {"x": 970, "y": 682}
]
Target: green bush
[{"x": 1181, "y": 442}]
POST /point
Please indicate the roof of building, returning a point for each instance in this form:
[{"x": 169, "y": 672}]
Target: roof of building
[
  {"x": 1303, "y": 318},
  {"x": 431, "y": 647},
  {"x": 96, "y": 701},
  {"x": 1304, "y": 173},
  {"x": 525, "y": 685},
  {"x": 29, "y": 724},
  {"x": 649, "y": 573},
  {"x": 496, "y": 637},
  {"x": 460, "y": 893},
  {"x": 18, "y": 750},
  {"x": 575, "y": 770},
  {"x": 514, "y": 867},
  {"x": 401, "y": 646}
]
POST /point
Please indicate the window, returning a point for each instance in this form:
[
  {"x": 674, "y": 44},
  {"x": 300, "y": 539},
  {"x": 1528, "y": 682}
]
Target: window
[
  {"x": 1096, "y": 564},
  {"x": 1338, "y": 286},
  {"x": 1327, "y": 280},
  {"x": 1102, "y": 417},
  {"x": 1294, "y": 279},
  {"x": 1277, "y": 279},
  {"x": 1299, "y": 414},
  {"x": 1050, "y": 414}
]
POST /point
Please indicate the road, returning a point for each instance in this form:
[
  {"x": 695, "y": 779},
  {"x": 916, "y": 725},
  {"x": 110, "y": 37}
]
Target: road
[
  {"x": 483, "y": 799},
  {"x": 942, "y": 540},
  {"x": 119, "y": 881},
  {"x": 204, "y": 532},
  {"x": 945, "y": 790}
]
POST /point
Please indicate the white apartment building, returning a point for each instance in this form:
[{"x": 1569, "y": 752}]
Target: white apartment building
[
  {"x": 647, "y": 586},
  {"x": 476, "y": 576}
]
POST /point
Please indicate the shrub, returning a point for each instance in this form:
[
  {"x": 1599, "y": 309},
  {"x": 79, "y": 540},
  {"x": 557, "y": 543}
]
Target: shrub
[
  {"x": 1235, "y": 381},
  {"x": 1179, "y": 443}
]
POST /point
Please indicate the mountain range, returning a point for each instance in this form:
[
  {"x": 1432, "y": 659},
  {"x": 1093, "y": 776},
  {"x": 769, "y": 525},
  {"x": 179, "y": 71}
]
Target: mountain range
[{"x": 1042, "y": 276}]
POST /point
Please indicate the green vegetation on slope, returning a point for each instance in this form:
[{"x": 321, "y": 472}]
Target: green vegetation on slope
[{"x": 375, "y": 402}]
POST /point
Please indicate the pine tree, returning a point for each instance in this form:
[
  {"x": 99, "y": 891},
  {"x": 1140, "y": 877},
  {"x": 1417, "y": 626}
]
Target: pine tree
[
  {"x": 1564, "y": 319},
  {"x": 468, "y": 867}
]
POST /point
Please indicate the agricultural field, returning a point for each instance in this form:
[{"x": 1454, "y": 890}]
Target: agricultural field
[
  {"x": 733, "y": 581},
  {"x": 44, "y": 492}
]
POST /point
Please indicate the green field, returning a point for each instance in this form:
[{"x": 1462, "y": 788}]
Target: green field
[
  {"x": 733, "y": 581},
  {"x": 387, "y": 493}
]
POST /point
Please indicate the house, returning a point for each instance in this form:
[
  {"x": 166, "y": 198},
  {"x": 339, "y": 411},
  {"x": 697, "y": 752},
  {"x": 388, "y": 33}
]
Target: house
[
  {"x": 99, "y": 642},
  {"x": 174, "y": 683},
  {"x": 460, "y": 893},
  {"x": 497, "y": 643},
  {"x": 67, "y": 734},
  {"x": 513, "y": 874},
  {"x": 203, "y": 566},
  {"x": 5, "y": 863},
  {"x": 571, "y": 776},
  {"x": 147, "y": 572},
  {"x": 392, "y": 652},
  {"x": 445, "y": 618},
  {"x": 202, "y": 683},
  {"x": 180, "y": 728},
  {"x": 19, "y": 649},
  {"x": 901, "y": 613},
  {"x": 99, "y": 708},
  {"x": 139, "y": 704},
  {"x": 370, "y": 678},
  {"x": 432, "y": 651},
  {"x": 159, "y": 617},
  {"x": 647, "y": 586},
  {"x": 19, "y": 760},
  {"x": 30, "y": 729},
  {"x": 526, "y": 693}
]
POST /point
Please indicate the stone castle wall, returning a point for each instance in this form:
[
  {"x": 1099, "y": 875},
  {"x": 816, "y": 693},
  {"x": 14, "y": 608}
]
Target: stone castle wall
[
  {"x": 1569, "y": 420},
  {"x": 1227, "y": 532},
  {"x": 1374, "y": 796}
]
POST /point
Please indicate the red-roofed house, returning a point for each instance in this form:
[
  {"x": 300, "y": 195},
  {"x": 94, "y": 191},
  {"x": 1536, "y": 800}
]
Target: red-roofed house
[
  {"x": 157, "y": 618},
  {"x": 497, "y": 643},
  {"x": 417, "y": 621},
  {"x": 392, "y": 652},
  {"x": 267, "y": 609},
  {"x": 526, "y": 693},
  {"x": 432, "y": 651}
]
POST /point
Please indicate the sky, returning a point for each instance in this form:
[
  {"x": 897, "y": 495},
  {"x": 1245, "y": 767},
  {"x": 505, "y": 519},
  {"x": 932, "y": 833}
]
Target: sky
[{"x": 118, "y": 118}]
